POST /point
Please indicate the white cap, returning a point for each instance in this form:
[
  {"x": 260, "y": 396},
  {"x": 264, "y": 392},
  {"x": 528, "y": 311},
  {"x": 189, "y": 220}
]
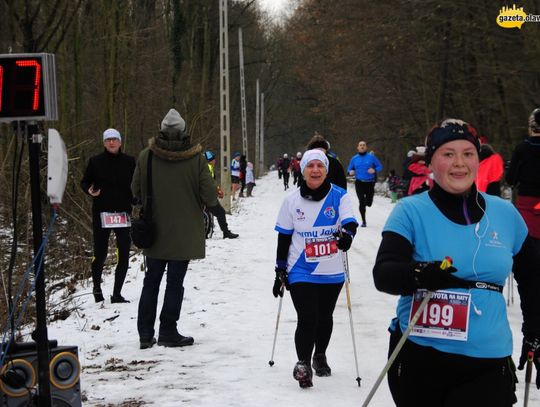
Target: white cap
[
  {"x": 311, "y": 155},
  {"x": 111, "y": 133}
]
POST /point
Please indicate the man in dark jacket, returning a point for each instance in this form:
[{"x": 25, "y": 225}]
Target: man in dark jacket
[
  {"x": 295, "y": 168},
  {"x": 107, "y": 180},
  {"x": 181, "y": 185},
  {"x": 285, "y": 167}
]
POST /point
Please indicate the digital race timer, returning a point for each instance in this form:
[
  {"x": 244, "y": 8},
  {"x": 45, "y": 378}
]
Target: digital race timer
[{"x": 27, "y": 87}]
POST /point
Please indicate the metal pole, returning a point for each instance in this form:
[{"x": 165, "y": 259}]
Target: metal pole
[
  {"x": 271, "y": 362},
  {"x": 34, "y": 148},
  {"x": 243, "y": 96},
  {"x": 510, "y": 285},
  {"x": 512, "y": 291},
  {"x": 224, "y": 117},
  {"x": 257, "y": 124},
  {"x": 261, "y": 135},
  {"x": 528, "y": 376},
  {"x": 349, "y": 306}
]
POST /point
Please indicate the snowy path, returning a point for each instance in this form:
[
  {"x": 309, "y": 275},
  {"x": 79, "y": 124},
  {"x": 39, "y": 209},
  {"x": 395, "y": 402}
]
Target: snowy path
[{"x": 230, "y": 311}]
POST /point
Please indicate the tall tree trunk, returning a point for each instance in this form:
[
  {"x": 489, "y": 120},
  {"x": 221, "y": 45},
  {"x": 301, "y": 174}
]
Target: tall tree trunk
[{"x": 441, "y": 112}]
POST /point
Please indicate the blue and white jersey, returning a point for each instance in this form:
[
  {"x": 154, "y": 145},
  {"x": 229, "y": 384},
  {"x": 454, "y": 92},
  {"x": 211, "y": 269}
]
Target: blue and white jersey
[
  {"x": 480, "y": 252},
  {"x": 313, "y": 256},
  {"x": 235, "y": 168}
]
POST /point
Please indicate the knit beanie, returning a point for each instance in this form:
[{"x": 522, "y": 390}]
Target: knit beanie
[
  {"x": 173, "y": 120},
  {"x": 534, "y": 122},
  {"x": 111, "y": 133},
  {"x": 311, "y": 155},
  {"x": 450, "y": 130}
]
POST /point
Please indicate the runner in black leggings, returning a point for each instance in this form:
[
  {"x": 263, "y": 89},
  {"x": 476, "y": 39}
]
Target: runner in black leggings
[
  {"x": 364, "y": 191},
  {"x": 314, "y": 304},
  {"x": 316, "y": 224},
  {"x": 364, "y": 166},
  {"x": 101, "y": 245}
]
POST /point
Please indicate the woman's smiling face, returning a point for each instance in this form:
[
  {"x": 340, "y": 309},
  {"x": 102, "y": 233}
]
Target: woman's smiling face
[
  {"x": 455, "y": 165},
  {"x": 314, "y": 174}
]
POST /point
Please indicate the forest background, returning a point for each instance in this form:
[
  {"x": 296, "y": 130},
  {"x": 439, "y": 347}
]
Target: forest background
[{"x": 382, "y": 71}]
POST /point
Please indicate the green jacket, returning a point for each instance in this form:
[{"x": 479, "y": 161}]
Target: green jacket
[{"x": 181, "y": 184}]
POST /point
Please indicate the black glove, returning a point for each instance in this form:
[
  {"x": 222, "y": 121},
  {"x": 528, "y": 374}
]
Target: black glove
[
  {"x": 431, "y": 276},
  {"x": 344, "y": 240},
  {"x": 282, "y": 278},
  {"x": 531, "y": 344}
]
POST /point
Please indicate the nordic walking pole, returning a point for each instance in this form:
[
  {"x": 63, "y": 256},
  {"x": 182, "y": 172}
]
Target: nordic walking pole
[
  {"x": 271, "y": 361},
  {"x": 447, "y": 262},
  {"x": 508, "y": 296},
  {"x": 512, "y": 292},
  {"x": 349, "y": 306},
  {"x": 528, "y": 375}
]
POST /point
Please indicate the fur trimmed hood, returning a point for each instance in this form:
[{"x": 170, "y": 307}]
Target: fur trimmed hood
[{"x": 173, "y": 155}]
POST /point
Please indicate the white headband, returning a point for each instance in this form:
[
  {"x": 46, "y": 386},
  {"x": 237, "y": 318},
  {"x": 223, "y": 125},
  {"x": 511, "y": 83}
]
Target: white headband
[{"x": 311, "y": 155}]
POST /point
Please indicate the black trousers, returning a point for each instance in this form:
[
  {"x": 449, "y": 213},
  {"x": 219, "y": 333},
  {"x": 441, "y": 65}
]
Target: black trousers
[
  {"x": 101, "y": 245},
  {"x": 286, "y": 176},
  {"x": 219, "y": 213},
  {"x": 422, "y": 376},
  {"x": 172, "y": 300},
  {"x": 243, "y": 184},
  {"x": 296, "y": 177},
  {"x": 364, "y": 192},
  {"x": 314, "y": 304}
]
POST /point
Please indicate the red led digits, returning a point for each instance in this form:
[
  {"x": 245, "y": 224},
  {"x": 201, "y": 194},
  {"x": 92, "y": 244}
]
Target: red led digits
[
  {"x": 37, "y": 79},
  {"x": 27, "y": 87}
]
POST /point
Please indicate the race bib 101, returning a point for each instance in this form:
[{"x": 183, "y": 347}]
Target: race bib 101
[{"x": 320, "y": 248}]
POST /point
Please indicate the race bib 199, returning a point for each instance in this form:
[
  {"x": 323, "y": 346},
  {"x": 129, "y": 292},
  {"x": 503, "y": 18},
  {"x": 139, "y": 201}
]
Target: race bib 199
[
  {"x": 320, "y": 248},
  {"x": 446, "y": 315},
  {"x": 115, "y": 220}
]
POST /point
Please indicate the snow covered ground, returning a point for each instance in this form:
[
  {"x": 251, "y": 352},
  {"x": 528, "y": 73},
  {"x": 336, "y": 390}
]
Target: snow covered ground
[{"x": 230, "y": 311}]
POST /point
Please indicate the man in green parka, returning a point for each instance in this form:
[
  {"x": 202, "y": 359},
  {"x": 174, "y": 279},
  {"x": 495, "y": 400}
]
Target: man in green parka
[{"x": 181, "y": 184}]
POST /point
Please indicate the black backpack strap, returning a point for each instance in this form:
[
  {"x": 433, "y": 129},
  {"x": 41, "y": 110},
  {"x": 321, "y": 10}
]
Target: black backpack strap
[{"x": 148, "y": 206}]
